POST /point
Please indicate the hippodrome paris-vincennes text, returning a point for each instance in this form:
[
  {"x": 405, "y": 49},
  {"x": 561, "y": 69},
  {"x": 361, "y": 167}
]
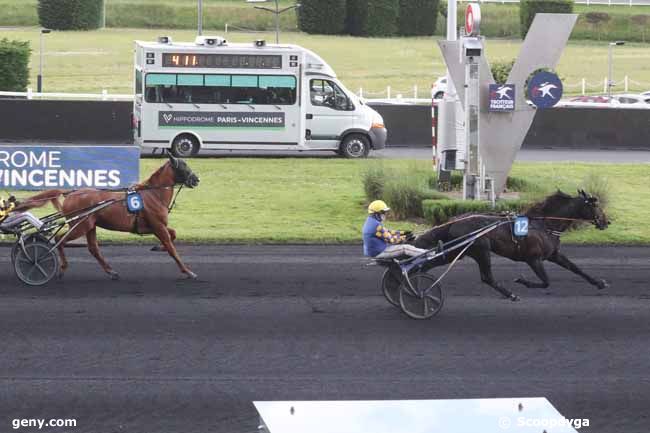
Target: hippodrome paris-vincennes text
[{"x": 43, "y": 169}]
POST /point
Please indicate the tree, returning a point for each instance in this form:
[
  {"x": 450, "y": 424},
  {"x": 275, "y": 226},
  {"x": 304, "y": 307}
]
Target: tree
[
  {"x": 14, "y": 68},
  {"x": 70, "y": 14},
  {"x": 418, "y": 17},
  {"x": 529, "y": 8},
  {"x": 372, "y": 17},
  {"x": 595, "y": 19},
  {"x": 322, "y": 16}
]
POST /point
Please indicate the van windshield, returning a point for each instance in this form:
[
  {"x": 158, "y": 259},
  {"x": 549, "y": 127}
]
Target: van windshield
[{"x": 221, "y": 89}]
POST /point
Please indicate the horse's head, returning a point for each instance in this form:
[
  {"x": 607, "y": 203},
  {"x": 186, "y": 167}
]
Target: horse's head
[
  {"x": 183, "y": 174},
  {"x": 588, "y": 208}
]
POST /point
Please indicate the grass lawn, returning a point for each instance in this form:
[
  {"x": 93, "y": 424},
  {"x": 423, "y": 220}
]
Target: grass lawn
[
  {"x": 287, "y": 200},
  {"x": 91, "y": 61},
  {"x": 499, "y": 20}
]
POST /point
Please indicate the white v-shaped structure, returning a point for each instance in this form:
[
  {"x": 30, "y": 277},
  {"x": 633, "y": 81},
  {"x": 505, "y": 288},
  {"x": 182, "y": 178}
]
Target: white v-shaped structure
[
  {"x": 501, "y": 134},
  {"x": 498, "y": 415}
]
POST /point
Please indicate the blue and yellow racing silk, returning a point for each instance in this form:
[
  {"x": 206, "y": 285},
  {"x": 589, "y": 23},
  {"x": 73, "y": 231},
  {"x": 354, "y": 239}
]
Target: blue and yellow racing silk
[
  {"x": 376, "y": 237},
  {"x": 5, "y": 208}
]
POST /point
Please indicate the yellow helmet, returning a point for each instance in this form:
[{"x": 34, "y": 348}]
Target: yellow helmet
[{"x": 378, "y": 206}]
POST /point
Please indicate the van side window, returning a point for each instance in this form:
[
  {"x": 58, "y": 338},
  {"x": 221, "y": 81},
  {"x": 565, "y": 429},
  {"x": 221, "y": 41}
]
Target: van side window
[
  {"x": 325, "y": 93},
  {"x": 221, "y": 89}
]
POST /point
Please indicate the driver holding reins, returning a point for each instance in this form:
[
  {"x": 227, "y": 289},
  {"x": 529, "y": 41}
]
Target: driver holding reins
[
  {"x": 382, "y": 243},
  {"x": 6, "y": 206}
]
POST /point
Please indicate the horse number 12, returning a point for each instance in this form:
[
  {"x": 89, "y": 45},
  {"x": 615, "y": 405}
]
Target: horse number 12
[{"x": 521, "y": 226}]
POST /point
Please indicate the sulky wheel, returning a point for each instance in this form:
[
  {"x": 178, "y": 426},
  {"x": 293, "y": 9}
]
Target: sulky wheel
[
  {"x": 36, "y": 264},
  {"x": 35, "y": 237},
  {"x": 390, "y": 287},
  {"x": 428, "y": 301}
]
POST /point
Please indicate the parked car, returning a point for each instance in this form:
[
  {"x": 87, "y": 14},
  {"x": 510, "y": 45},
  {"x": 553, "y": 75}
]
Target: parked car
[
  {"x": 439, "y": 88},
  {"x": 631, "y": 99},
  {"x": 646, "y": 93},
  {"x": 591, "y": 98}
]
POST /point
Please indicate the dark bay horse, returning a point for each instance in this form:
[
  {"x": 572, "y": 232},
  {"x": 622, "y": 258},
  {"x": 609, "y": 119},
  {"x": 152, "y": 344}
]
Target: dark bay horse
[
  {"x": 156, "y": 193},
  {"x": 548, "y": 220}
]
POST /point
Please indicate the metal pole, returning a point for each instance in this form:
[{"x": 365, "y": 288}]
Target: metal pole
[
  {"x": 39, "y": 79},
  {"x": 104, "y": 14},
  {"x": 277, "y": 22},
  {"x": 609, "y": 73},
  {"x": 200, "y": 18}
]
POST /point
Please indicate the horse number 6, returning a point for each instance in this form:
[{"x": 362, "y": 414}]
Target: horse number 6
[{"x": 135, "y": 202}]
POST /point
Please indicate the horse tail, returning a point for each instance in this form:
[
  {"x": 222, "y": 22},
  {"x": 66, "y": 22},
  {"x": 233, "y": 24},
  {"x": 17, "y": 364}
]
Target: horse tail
[{"x": 41, "y": 199}]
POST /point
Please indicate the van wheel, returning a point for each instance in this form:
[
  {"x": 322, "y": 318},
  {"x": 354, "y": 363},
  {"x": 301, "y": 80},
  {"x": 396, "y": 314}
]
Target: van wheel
[
  {"x": 439, "y": 95},
  {"x": 184, "y": 146},
  {"x": 355, "y": 146}
]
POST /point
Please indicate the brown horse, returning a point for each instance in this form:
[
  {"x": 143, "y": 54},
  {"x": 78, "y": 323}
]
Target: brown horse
[
  {"x": 156, "y": 193},
  {"x": 548, "y": 220}
]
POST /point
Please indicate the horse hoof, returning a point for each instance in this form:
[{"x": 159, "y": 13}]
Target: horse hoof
[
  {"x": 114, "y": 275},
  {"x": 191, "y": 275},
  {"x": 514, "y": 298},
  {"x": 602, "y": 284}
]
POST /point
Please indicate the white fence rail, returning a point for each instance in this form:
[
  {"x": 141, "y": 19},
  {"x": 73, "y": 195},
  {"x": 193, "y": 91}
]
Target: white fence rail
[
  {"x": 413, "y": 95},
  {"x": 584, "y": 2},
  {"x": 103, "y": 96}
]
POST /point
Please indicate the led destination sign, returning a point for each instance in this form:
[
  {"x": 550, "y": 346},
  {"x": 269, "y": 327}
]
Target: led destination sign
[{"x": 243, "y": 61}]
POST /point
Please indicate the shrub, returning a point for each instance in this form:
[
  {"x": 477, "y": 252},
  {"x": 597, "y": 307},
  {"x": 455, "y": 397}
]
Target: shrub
[
  {"x": 322, "y": 16},
  {"x": 501, "y": 70},
  {"x": 440, "y": 211},
  {"x": 442, "y": 9},
  {"x": 70, "y": 14},
  {"x": 595, "y": 19},
  {"x": 597, "y": 185},
  {"x": 402, "y": 189},
  {"x": 642, "y": 21},
  {"x": 372, "y": 17},
  {"x": 418, "y": 17},
  {"x": 374, "y": 180},
  {"x": 529, "y": 8},
  {"x": 404, "y": 195},
  {"x": 14, "y": 68}
]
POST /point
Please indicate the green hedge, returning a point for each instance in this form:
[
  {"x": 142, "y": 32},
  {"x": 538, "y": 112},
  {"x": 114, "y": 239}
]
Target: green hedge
[
  {"x": 501, "y": 71},
  {"x": 70, "y": 14},
  {"x": 322, "y": 16},
  {"x": 440, "y": 211},
  {"x": 528, "y": 9},
  {"x": 14, "y": 68},
  {"x": 356, "y": 17},
  {"x": 383, "y": 17},
  {"x": 372, "y": 17},
  {"x": 418, "y": 17}
]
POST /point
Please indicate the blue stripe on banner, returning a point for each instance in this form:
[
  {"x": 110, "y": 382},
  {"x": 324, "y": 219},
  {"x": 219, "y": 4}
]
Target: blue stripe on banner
[{"x": 68, "y": 167}]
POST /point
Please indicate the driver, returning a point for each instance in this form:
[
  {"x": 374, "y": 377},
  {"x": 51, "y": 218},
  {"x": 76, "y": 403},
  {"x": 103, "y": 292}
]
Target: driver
[
  {"x": 382, "y": 243},
  {"x": 6, "y": 206}
]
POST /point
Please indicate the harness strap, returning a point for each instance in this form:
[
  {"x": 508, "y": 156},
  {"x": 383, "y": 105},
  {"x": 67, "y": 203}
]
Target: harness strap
[{"x": 171, "y": 207}]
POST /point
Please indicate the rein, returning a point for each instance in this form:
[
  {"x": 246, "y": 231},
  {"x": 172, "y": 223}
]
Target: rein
[
  {"x": 505, "y": 217},
  {"x": 171, "y": 207}
]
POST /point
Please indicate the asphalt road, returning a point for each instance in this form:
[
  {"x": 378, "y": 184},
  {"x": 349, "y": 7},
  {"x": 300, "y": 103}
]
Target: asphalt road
[{"x": 154, "y": 353}]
